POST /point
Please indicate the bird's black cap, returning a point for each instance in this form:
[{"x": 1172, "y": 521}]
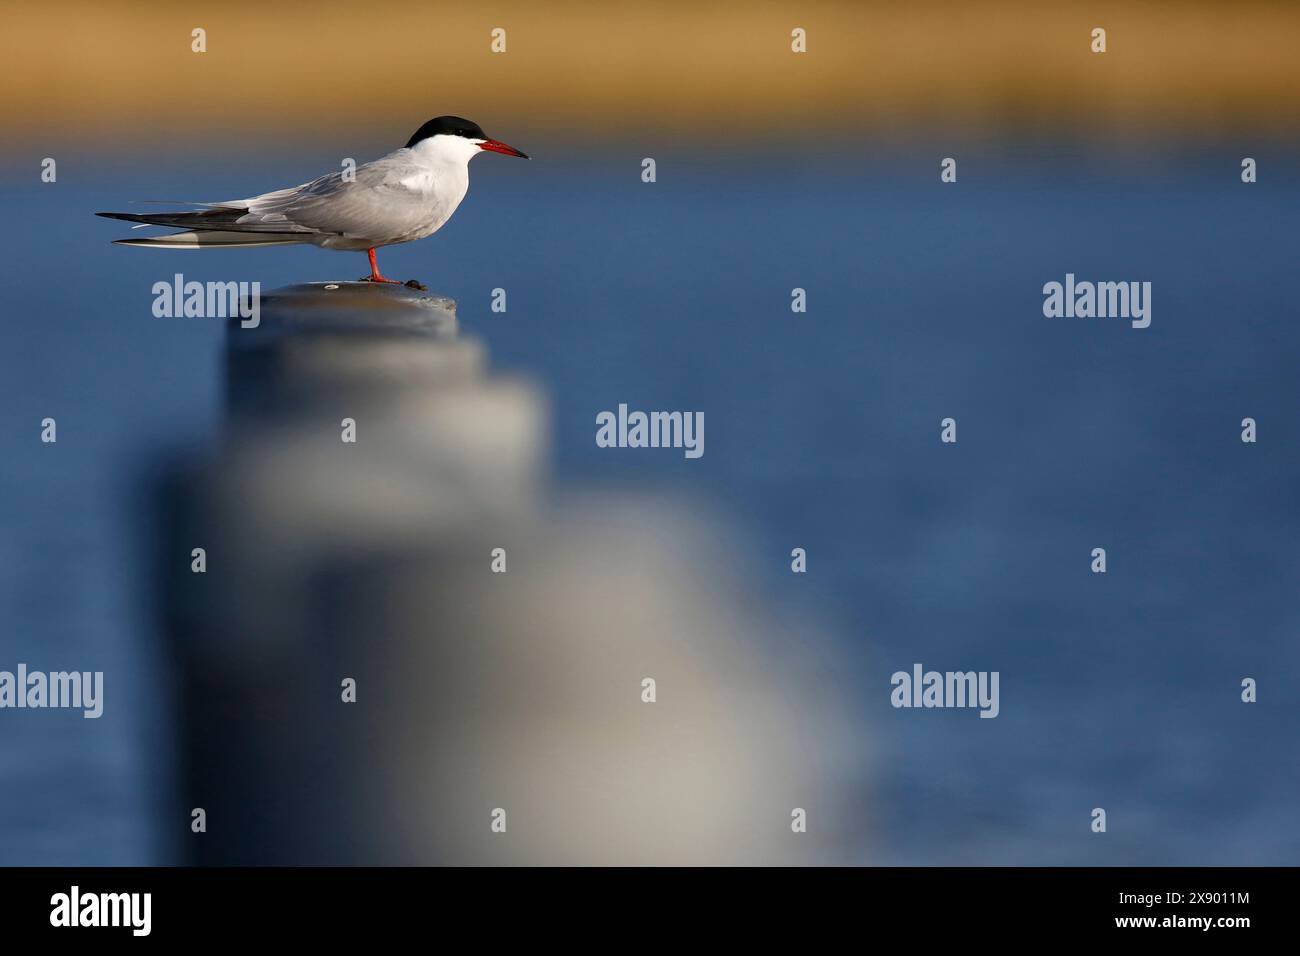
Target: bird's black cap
[{"x": 447, "y": 126}]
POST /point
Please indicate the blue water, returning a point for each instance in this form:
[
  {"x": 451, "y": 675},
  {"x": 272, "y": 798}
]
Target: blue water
[{"x": 822, "y": 431}]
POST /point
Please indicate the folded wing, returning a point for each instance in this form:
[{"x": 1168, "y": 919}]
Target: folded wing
[{"x": 384, "y": 201}]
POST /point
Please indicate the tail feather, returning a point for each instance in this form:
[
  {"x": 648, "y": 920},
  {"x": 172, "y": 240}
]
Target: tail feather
[
  {"x": 192, "y": 239},
  {"x": 223, "y": 218}
]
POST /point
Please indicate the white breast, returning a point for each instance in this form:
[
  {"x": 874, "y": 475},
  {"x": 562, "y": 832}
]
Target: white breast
[{"x": 442, "y": 178}]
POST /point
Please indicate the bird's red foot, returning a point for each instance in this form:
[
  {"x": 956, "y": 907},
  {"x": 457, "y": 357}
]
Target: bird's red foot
[{"x": 374, "y": 271}]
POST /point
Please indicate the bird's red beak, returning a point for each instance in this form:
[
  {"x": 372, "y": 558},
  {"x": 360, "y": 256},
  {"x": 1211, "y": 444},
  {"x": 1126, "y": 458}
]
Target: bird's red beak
[{"x": 496, "y": 146}]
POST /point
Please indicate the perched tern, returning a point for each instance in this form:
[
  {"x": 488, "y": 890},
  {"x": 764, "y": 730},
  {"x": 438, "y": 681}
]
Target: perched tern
[{"x": 408, "y": 194}]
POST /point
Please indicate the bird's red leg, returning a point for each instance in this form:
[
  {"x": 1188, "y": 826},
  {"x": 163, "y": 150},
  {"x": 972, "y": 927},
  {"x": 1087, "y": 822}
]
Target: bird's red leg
[{"x": 374, "y": 270}]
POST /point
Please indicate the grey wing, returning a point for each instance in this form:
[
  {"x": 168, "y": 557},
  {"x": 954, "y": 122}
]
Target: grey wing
[{"x": 386, "y": 199}]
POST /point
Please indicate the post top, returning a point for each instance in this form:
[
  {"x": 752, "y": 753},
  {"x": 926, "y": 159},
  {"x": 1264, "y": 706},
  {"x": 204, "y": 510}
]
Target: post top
[{"x": 342, "y": 308}]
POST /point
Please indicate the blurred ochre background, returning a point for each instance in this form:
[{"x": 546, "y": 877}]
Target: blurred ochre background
[{"x": 590, "y": 71}]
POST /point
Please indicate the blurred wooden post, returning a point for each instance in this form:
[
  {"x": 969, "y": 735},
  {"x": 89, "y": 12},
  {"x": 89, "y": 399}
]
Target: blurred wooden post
[
  {"x": 476, "y": 688},
  {"x": 438, "y": 447},
  {"x": 333, "y": 339}
]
